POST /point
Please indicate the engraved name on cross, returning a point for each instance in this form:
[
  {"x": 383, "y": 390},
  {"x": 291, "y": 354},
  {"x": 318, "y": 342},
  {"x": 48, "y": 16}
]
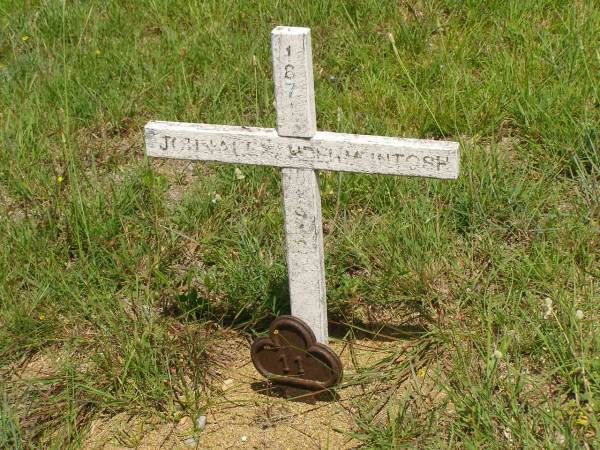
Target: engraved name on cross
[{"x": 300, "y": 150}]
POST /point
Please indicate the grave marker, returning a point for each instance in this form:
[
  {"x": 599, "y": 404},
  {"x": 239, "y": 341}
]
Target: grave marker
[{"x": 300, "y": 150}]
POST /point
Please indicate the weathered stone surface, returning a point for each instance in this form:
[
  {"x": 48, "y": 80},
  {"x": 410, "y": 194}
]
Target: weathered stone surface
[
  {"x": 293, "y": 79},
  {"x": 325, "y": 151},
  {"x": 296, "y": 117}
]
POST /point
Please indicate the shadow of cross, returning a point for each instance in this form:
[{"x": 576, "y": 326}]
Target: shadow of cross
[{"x": 300, "y": 150}]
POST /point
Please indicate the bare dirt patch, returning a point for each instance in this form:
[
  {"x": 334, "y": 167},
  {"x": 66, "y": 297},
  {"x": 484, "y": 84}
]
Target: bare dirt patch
[{"x": 244, "y": 416}]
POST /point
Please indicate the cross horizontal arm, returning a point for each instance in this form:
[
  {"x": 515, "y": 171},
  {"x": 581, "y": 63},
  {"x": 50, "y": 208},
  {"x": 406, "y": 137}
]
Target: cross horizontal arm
[{"x": 324, "y": 151}]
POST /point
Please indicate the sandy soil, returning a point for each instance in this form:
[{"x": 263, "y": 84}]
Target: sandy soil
[{"x": 246, "y": 417}]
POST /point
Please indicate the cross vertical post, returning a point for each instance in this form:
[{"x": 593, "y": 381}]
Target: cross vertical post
[{"x": 296, "y": 117}]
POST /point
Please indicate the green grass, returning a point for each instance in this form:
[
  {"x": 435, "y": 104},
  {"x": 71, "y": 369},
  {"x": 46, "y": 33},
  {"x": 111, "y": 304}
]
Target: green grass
[{"x": 125, "y": 264}]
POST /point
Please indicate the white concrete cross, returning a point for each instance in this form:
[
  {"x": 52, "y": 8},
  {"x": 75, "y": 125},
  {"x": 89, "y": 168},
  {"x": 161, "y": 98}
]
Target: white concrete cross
[{"x": 299, "y": 149}]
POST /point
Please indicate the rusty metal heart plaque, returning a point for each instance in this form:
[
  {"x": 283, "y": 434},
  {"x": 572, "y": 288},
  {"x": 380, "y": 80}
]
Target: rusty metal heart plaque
[{"x": 291, "y": 355}]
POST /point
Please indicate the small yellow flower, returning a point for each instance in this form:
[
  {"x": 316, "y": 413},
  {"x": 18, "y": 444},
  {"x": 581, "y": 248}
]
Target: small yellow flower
[
  {"x": 25, "y": 38},
  {"x": 97, "y": 52},
  {"x": 421, "y": 373},
  {"x": 275, "y": 331},
  {"x": 582, "y": 420},
  {"x": 59, "y": 179},
  {"x": 239, "y": 175},
  {"x": 42, "y": 317}
]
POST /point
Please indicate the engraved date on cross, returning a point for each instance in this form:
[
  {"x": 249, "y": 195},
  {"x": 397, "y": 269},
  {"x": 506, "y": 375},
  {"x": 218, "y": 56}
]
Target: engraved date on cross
[
  {"x": 292, "y": 356},
  {"x": 289, "y": 76}
]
